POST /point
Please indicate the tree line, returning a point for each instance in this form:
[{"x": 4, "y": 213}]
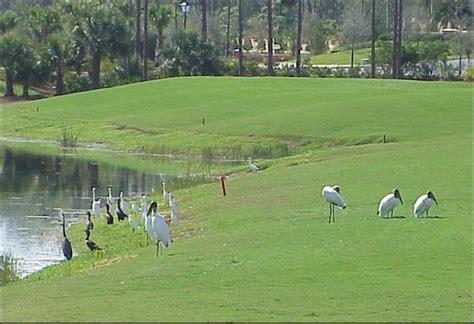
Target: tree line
[{"x": 87, "y": 44}]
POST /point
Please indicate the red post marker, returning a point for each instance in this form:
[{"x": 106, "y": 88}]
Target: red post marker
[{"x": 223, "y": 185}]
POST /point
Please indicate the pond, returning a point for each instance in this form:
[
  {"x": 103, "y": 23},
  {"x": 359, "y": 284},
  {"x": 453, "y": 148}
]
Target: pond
[{"x": 34, "y": 187}]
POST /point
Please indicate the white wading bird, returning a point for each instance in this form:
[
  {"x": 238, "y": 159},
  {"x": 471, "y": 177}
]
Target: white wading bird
[
  {"x": 110, "y": 198},
  {"x": 252, "y": 167},
  {"x": 159, "y": 227},
  {"x": 423, "y": 204},
  {"x": 95, "y": 204},
  {"x": 389, "y": 202},
  {"x": 333, "y": 197},
  {"x": 174, "y": 212}
]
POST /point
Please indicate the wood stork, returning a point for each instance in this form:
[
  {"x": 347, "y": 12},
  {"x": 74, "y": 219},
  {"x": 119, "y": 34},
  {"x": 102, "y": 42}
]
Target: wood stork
[
  {"x": 120, "y": 214},
  {"x": 66, "y": 245},
  {"x": 96, "y": 204},
  {"x": 174, "y": 211},
  {"x": 110, "y": 198},
  {"x": 333, "y": 197},
  {"x": 89, "y": 224},
  {"x": 423, "y": 204},
  {"x": 389, "y": 202},
  {"x": 150, "y": 232},
  {"x": 109, "y": 217},
  {"x": 91, "y": 244},
  {"x": 252, "y": 167},
  {"x": 159, "y": 227}
]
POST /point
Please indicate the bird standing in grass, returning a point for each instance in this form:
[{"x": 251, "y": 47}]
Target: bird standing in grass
[
  {"x": 389, "y": 202},
  {"x": 95, "y": 204},
  {"x": 423, "y": 204},
  {"x": 91, "y": 244},
  {"x": 166, "y": 195},
  {"x": 174, "y": 211},
  {"x": 120, "y": 214},
  {"x": 66, "y": 245},
  {"x": 123, "y": 203},
  {"x": 110, "y": 198},
  {"x": 159, "y": 227},
  {"x": 333, "y": 197},
  {"x": 109, "y": 217},
  {"x": 89, "y": 224},
  {"x": 144, "y": 208},
  {"x": 132, "y": 223},
  {"x": 252, "y": 167}
]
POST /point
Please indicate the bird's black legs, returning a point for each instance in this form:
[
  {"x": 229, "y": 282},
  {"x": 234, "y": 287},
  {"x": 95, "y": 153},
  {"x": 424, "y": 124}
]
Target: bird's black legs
[
  {"x": 330, "y": 211},
  {"x": 332, "y": 215},
  {"x": 157, "y": 247},
  {"x": 391, "y": 214}
]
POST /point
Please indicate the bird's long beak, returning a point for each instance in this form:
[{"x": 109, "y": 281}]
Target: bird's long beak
[
  {"x": 401, "y": 201},
  {"x": 436, "y": 202}
]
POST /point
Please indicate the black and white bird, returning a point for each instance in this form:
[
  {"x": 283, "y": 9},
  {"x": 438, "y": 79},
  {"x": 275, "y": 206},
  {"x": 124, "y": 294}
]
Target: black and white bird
[
  {"x": 333, "y": 197},
  {"x": 388, "y": 203},
  {"x": 120, "y": 214},
  {"x": 109, "y": 218},
  {"x": 91, "y": 244},
  {"x": 423, "y": 204},
  {"x": 123, "y": 203},
  {"x": 95, "y": 206},
  {"x": 159, "y": 227},
  {"x": 66, "y": 245},
  {"x": 89, "y": 224}
]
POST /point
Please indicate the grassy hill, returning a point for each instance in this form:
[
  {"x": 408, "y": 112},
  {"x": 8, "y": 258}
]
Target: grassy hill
[{"x": 266, "y": 252}]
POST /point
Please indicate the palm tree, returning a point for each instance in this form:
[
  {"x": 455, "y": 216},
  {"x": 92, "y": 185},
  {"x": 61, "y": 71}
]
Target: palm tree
[
  {"x": 7, "y": 57},
  {"x": 298, "y": 37},
  {"x": 161, "y": 18},
  {"x": 145, "y": 40},
  {"x": 241, "y": 30},
  {"x": 270, "y": 37},
  {"x": 203, "y": 19},
  {"x": 137, "y": 29},
  {"x": 397, "y": 39},
  {"x": 57, "y": 48},
  {"x": 227, "y": 33},
  {"x": 372, "y": 43}
]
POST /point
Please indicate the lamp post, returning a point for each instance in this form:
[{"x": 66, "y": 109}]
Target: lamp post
[{"x": 185, "y": 9}]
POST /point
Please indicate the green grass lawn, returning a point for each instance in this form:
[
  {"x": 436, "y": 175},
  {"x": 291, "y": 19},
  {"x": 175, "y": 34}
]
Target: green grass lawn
[
  {"x": 266, "y": 252},
  {"x": 342, "y": 57}
]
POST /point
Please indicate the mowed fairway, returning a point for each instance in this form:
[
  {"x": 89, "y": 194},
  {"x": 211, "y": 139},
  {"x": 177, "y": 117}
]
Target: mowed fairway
[{"x": 266, "y": 252}]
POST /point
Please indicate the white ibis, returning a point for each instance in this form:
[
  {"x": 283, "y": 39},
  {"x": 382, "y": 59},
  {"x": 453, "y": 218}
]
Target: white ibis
[
  {"x": 123, "y": 203},
  {"x": 174, "y": 212},
  {"x": 423, "y": 204},
  {"x": 333, "y": 197},
  {"x": 389, "y": 202},
  {"x": 110, "y": 198},
  {"x": 166, "y": 195}
]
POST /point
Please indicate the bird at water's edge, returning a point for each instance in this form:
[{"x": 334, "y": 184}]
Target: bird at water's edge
[{"x": 66, "y": 245}]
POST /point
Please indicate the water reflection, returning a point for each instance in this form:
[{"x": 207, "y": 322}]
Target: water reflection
[{"x": 33, "y": 187}]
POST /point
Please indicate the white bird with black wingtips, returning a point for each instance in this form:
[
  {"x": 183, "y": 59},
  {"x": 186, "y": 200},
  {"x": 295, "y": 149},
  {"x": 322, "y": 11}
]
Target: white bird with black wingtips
[
  {"x": 423, "y": 204},
  {"x": 333, "y": 197},
  {"x": 389, "y": 202}
]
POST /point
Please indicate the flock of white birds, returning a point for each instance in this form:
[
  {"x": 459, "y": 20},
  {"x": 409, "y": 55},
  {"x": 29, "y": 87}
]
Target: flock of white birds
[
  {"x": 155, "y": 224},
  {"x": 386, "y": 205}
]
